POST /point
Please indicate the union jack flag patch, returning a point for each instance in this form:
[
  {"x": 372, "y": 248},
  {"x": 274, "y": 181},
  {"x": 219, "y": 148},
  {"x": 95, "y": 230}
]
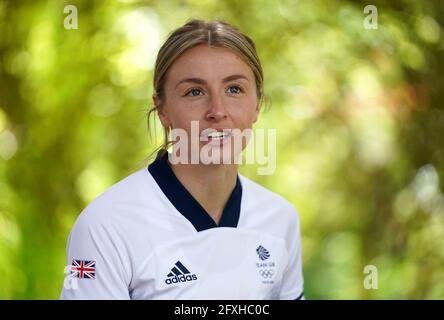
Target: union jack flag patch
[{"x": 83, "y": 269}]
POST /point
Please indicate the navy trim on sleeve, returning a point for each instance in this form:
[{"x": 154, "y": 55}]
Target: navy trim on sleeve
[{"x": 300, "y": 296}]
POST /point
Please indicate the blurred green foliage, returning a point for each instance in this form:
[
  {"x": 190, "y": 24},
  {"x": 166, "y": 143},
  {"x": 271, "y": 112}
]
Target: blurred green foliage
[{"x": 358, "y": 112}]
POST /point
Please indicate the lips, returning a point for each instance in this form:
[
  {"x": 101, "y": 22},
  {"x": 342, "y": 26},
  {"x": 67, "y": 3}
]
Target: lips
[
  {"x": 215, "y": 137},
  {"x": 215, "y": 134}
]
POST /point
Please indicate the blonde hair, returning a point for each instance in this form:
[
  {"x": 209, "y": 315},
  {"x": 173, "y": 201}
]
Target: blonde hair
[{"x": 213, "y": 33}]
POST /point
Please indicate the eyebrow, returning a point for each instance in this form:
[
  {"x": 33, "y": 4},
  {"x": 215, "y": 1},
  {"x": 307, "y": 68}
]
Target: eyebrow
[{"x": 202, "y": 81}]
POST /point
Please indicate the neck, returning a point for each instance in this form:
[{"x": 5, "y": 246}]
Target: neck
[{"x": 210, "y": 185}]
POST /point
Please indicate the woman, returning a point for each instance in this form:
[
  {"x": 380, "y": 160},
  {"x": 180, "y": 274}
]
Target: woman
[{"x": 191, "y": 227}]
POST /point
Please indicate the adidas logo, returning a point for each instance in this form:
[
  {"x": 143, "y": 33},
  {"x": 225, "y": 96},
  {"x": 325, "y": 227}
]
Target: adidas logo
[{"x": 179, "y": 274}]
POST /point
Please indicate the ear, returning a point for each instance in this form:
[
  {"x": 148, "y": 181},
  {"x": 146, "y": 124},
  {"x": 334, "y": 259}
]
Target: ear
[{"x": 163, "y": 116}]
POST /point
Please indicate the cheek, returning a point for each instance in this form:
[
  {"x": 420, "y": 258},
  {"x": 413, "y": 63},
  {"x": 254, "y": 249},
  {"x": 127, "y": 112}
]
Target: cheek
[
  {"x": 181, "y": 114},
  {"x": 245, "y": 114},
  {"x": 188, "y": 114}
]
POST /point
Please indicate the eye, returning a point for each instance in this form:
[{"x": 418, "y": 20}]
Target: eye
[
  {"x": 236, "y": 91},
  {"x": 194, "y": 92}
]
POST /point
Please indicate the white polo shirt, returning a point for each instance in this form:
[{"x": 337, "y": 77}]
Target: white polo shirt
[{"x": 146, "y": 237}]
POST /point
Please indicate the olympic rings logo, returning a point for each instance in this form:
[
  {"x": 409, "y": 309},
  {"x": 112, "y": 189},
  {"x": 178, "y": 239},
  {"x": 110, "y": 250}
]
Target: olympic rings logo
[{"x": 266, "y": 273}]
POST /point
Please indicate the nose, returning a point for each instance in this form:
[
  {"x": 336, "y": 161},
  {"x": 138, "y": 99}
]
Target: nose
[{"x": 216, "y": 110}]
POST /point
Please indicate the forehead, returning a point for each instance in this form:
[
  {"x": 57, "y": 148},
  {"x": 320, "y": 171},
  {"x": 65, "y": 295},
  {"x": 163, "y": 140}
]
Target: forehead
[{"x": 203, "y": 61}]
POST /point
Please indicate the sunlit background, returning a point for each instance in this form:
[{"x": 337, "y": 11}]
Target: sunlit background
[{"x": 358, "y": 112}]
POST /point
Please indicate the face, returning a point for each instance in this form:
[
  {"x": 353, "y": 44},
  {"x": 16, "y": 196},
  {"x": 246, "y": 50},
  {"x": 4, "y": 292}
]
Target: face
[{"x": 214, "y": 87}]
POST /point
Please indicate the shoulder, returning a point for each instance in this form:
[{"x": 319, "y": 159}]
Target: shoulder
[
  {"x": 118, "y": 203},
  {"x": 259, "y": 199}
]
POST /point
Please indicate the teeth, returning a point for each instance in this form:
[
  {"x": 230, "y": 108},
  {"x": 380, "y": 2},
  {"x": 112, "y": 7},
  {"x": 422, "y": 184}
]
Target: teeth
[{"x": 218, "y": 135}]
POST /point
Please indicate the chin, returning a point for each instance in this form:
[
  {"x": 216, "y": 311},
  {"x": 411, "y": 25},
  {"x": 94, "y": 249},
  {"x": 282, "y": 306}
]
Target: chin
[{"x": 219, "y": 155}]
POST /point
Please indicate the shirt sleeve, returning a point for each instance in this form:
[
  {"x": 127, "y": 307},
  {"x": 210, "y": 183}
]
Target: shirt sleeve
[
  {"x": 292, "y": 287},
  {"x": 95, "y": 268}
]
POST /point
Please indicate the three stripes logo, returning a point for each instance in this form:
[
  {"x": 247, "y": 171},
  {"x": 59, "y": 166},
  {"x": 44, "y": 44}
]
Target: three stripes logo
[{"x": 179, "y": 274}]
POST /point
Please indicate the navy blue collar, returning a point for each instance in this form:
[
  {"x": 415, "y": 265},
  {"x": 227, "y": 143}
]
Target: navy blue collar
[{"x": 186, "y": 204}]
